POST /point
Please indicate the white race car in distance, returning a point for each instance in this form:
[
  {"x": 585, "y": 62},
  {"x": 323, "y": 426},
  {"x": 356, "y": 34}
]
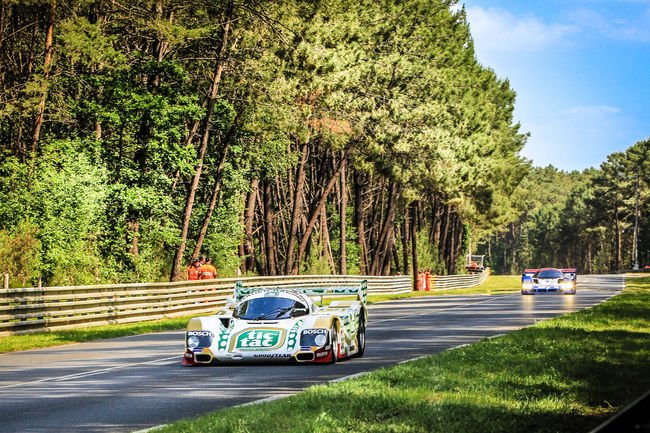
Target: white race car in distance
[
  {"x": 549, "y": 280},
  {"x": 274, "y": 324}
]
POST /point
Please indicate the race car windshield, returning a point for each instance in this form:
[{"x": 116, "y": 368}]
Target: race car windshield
[
  {"x": 549, "y": 273},
  {"x": 269, "y": 308}
]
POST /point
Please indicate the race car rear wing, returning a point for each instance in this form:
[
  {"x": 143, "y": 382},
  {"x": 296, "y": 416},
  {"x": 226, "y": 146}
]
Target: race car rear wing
[
  {"x": 360, "y": 291},
  {"x": 570, "y": 273}
]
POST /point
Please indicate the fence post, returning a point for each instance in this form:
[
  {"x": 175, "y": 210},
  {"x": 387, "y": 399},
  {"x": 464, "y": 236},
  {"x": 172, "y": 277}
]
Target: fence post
[{"x": 6, "y": 282}]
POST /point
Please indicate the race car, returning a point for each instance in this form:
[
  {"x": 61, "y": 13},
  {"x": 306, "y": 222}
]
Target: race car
[
  {"x": 549, "y": 280},
  {"x": 277, "y": 324}
]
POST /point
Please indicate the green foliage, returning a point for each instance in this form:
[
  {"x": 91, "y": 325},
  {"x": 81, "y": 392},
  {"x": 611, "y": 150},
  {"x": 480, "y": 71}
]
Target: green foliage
[
  {"x": 20, "y": 252},
  {"x": 428, "y": 255},
  {"x": 69, "y": 193},
  {"x": 14, "y": 190},
  {"x": 581, "y": 219},
  {"x": 396, "y": 85},
  {"x": 223, "y": 240}
]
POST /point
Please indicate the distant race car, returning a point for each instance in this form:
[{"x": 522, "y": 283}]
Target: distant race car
[
  {"x": 549, "y": 280},
  {"x": 274, "y": 324}
]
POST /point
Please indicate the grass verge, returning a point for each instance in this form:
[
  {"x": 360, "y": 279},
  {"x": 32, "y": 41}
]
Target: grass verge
[
  {"x": 13, "y": 343},
  {"x": 567, "y": 374},
  {"x": 494, "y": 284}
]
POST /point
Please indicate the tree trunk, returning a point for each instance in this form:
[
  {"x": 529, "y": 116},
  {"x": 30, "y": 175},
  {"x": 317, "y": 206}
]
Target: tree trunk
[
  {"x": 319, "y": 208},
  {"x": 382, "y": 252},
  {"x": 445, "y": 234},
  {"x": 619, "y": 235},
  {"x": 214, "y": 90},
  {"x": 162, "y": 45},
  {"x": 437, "y": 221},
  {"x": 359, "y": 219},
  {"x": 279, "y": 200},
  {"x": 271, "y": 268},
  {"x": 2, "y": 40},
  {"x": 414, "y": 243},
  {"x": 343, "y": 219},
  {"x": 47, "y": 65},
  {"x": 513, "y": 263},
  {"x": 249, "y": 246},
  {"x": 395, "y": 256},
  {"x": 215, "y": 191},
  {"x": 134, "y": 230},
  {"x": 325, "y": 237},
  {"x": 297, "y": 208},
  {"x": 405, "y": 244}
]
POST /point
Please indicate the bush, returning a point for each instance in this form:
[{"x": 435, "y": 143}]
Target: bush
[{"x": 20, "y": 252}]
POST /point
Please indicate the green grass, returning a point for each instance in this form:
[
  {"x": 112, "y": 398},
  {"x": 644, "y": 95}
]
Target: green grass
[
  {"x": 568, "y": 374},
  {"x": 13, "y": 343},
  {"x": 494, "y": 284}
]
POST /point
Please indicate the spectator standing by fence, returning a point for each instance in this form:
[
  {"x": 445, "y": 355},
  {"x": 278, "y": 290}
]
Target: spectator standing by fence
[
  {"x": 194, "y": 271},
  {"x": 207, "y": 270}
]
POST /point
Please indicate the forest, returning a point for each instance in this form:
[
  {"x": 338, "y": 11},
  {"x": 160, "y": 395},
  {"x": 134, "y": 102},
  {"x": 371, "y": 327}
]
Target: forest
[{"x": 280, "y": 137}]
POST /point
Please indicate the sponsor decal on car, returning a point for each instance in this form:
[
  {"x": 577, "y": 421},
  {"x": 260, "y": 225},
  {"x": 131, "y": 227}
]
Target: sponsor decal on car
[
  {"x": 271, "y": 355},
  {"x": 293, "y": 335},
  {"x": 199, "y": 333},
  {"x": 258, "y": 339},
  {"x": 224, "y": 335},
  {"x": 314, "y": 331}
]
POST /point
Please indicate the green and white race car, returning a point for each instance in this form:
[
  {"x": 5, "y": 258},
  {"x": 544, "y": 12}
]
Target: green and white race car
[{"x": 276, "y": 324}]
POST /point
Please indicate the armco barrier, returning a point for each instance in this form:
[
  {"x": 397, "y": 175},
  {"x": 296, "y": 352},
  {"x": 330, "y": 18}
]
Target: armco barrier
[
  {"x": 28, "y": 310},
  {"x": 55, "y": 308},
  {"x": 445, "y": 282}
]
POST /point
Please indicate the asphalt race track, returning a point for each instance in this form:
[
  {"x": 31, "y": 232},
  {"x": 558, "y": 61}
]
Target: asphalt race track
[{"x": 134, "y": 383}]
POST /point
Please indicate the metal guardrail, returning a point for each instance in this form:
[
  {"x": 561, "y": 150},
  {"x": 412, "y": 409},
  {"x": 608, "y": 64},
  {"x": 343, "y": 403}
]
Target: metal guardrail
[
  {"x": 26, "y": 310},
  {"x": 445, "y": 282}
]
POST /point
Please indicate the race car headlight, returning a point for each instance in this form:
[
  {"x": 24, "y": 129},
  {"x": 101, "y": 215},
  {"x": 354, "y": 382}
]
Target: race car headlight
[
  {"x": 314, "y": 337},
  {"x": 201, "y": 338},
  {"x": 566, "y": 285},
  {"x": 193, "y": 342},
  {"x": 527, "y": 286},
  {"x": 320, "y": 340}
]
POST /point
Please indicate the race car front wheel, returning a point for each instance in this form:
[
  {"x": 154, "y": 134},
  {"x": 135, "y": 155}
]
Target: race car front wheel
[
  {"x": 361, "y": 338},
  {"x": 335, "y": 344}
]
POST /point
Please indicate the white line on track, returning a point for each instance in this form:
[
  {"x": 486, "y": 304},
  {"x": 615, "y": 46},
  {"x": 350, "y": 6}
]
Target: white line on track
[{"x": 88, "y": 373}]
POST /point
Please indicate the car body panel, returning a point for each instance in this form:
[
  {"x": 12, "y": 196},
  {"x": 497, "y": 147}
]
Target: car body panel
[
  {"x": 549, "y": 280},
  {"x": 231, "y": 336}
]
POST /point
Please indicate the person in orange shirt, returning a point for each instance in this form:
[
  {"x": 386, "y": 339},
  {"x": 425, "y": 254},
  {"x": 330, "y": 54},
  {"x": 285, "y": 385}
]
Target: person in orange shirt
[
  {"x": 207, "y": 270},
  {"x": 194, "y": 271}
]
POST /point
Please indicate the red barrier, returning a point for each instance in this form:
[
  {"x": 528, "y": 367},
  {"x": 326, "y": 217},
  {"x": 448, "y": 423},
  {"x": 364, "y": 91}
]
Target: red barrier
[{"x": 421, "y": 282}]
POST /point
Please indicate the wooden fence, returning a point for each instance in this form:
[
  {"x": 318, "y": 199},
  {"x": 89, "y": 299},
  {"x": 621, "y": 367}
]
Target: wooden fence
[{"x": 37, "y": 309}]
